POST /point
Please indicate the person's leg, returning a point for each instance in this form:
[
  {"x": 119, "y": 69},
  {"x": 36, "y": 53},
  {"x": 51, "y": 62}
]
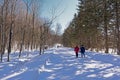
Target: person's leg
[
  {"x": 76, "y": 54},
  {"x": 84, "y": 54}
]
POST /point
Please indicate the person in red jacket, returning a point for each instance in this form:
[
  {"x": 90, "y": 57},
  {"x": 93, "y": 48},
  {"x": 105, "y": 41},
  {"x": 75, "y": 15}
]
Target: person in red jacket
[{"x": 76, "y": 49}]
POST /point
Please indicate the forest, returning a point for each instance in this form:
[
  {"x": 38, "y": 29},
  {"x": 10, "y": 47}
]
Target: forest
[
  {"x": 96, "y": 25},
  {"x": 21, "y": 27},
  {"x": 30, "y": 49}
]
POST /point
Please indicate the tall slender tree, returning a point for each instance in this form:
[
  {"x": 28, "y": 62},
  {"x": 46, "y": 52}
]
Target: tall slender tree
[
  {"x": 12, "y": 19},
  {"x": 117, "y": 12}
]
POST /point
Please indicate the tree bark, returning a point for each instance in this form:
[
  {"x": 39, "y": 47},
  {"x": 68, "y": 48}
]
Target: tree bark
[
  {"x": 105, "y": 26},
  {"x": 117, "y": 27}
]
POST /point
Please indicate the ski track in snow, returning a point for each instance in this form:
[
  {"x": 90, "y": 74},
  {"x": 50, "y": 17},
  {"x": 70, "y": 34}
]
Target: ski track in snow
[{"x": 61, "y": 64}]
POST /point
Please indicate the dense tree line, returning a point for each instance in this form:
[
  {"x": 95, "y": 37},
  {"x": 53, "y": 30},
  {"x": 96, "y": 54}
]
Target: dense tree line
[
  {"x": 96, "y": 25},
  {"x": 21, "y": 27}
]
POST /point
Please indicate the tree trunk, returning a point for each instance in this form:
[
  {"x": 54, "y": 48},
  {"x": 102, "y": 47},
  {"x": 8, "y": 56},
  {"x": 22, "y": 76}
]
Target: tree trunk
[
  {"x": 13, "y": 6},
  {"x": 3, "y": 26},
  {"x": 105, "y": 27},
  {"x": 10, "y": 40},
  {"x": 117, "y": 27},
  {"x": 22, "y": 43}
]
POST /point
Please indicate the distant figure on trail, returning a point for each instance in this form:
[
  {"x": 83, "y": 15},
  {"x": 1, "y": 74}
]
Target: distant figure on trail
[
  {"x": 82, "y": 51},
  {"x": 76, "y": 49}
]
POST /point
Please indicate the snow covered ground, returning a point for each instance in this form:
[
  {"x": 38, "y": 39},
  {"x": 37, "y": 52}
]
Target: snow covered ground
[{"x": 61, "y": 64}]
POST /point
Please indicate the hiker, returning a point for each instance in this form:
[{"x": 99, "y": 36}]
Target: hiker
[
  {"x": 82, "y": 51},
  {"x": 76, "y": 49}
]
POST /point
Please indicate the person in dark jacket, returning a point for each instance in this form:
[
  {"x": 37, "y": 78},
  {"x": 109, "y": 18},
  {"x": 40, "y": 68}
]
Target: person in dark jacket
[
  {"x": 76, "y": 49},
  {"x": 82, "y": 51}
]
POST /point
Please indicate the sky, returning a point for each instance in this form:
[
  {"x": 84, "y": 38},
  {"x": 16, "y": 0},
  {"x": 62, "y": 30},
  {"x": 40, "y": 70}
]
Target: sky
[
  {"x": 67, "y": 7},
  {"x": 60, "y": 64}
]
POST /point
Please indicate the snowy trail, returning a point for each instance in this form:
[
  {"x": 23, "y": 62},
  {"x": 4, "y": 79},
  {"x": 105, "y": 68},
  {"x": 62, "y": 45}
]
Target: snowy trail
[
  {"x": 61, "y": 64},
  {"x": 66, "y": 66}
]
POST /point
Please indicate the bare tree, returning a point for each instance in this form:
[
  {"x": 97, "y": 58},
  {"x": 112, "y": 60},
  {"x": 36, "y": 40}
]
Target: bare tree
[
  {"x": 35, "y": 6},
  {"x": 57, "y": 33},
  {"x": 44, "y": 28},
  {"x": 27, "y": 4},
  {"x": 4, "y": 15},
  {"x": 12, "y": 19}
]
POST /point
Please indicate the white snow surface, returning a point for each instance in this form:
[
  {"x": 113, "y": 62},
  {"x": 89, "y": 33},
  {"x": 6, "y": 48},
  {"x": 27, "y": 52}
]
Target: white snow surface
[{"x": 61, "y": 64}]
